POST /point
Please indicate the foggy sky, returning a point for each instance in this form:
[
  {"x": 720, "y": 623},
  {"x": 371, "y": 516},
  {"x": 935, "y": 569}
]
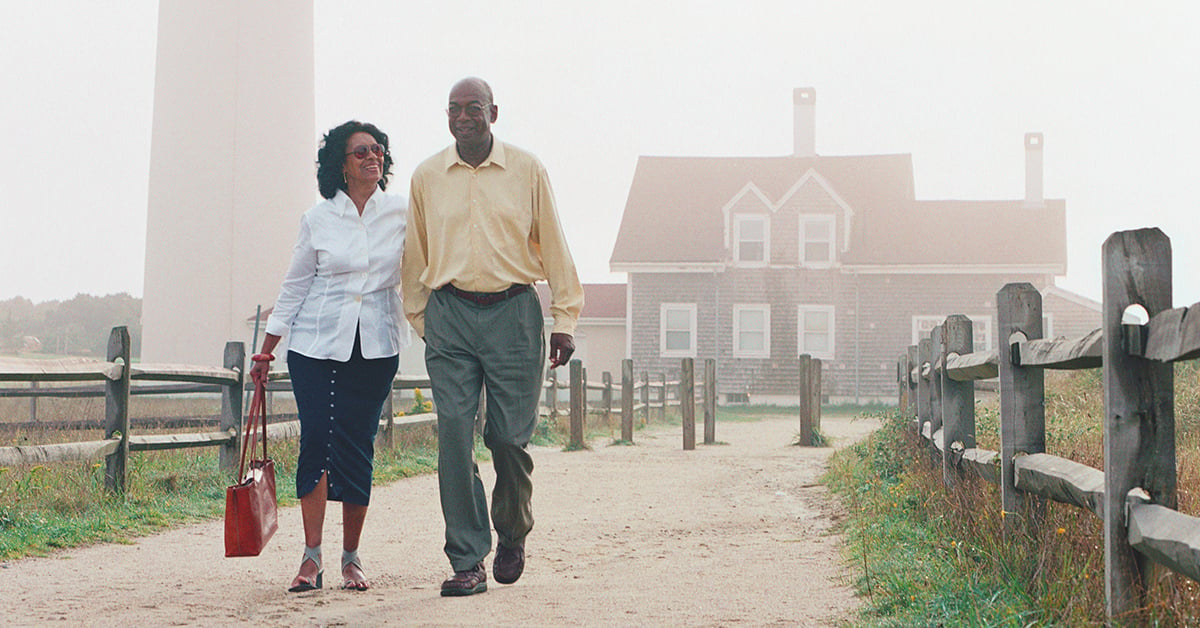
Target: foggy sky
[{"x": 1115, "y": 90}]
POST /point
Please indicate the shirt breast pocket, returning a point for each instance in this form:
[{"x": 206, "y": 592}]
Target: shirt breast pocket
[{"x": 344, "y": 254}]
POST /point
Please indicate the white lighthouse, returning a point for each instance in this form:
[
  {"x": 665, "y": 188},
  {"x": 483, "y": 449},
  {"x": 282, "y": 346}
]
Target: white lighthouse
[{"x": 231, "y": 169}]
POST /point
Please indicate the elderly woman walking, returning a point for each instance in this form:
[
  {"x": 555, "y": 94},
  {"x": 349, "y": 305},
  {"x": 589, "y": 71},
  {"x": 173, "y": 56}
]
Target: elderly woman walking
[{"x": 341, "y": 311}]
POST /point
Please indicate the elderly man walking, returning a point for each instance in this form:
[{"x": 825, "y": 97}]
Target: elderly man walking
[{"x": 482, "y": 229}]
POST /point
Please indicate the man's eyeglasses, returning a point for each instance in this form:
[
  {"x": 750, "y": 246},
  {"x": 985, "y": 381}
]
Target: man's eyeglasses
[
  {"x": 473, "y": 110},
  {"x": 361, "y": 151}
]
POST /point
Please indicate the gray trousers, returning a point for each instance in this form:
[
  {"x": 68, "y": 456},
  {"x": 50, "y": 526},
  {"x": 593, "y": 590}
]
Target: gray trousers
[{"x": 498, "y": 347}]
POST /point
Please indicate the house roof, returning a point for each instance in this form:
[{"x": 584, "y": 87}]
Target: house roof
[
  {"x": 600, "y": 300},
  {"x": 675, "y": 213}
]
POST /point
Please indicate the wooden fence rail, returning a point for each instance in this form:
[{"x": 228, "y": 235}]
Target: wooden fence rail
[
  {"x": 1135, "y": 493},
  {"x": 228, "y": 380}
]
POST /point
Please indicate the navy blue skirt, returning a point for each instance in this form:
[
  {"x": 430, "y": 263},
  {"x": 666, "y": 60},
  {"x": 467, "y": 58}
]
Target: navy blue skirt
[{"x": 339, "y": 405}]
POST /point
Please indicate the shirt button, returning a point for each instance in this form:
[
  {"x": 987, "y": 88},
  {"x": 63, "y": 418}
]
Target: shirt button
[{"x": 358, "y": 298}]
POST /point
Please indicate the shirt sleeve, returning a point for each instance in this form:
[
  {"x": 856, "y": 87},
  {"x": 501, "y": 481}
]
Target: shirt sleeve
[
  {"x": 296, "y": 282},
  {"x": 566, "y": 293},
  {"x": 415, "y": 294}
]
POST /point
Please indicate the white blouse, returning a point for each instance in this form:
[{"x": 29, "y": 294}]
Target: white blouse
[{"x": 342, "y": 279}]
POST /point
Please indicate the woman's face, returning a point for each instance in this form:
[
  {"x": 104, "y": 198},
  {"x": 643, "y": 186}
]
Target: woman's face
[{"x": 364, "y": 160}]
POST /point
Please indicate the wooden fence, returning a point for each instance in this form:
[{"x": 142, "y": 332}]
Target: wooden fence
[
  {"x": 1135, "y": 493},
  {"x": 656, "y": 394}
]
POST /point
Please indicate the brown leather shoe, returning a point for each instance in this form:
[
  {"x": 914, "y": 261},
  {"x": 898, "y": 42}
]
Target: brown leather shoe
[
  {"x": 509, "y": 563},
  {"x": 467, "y": 582}
]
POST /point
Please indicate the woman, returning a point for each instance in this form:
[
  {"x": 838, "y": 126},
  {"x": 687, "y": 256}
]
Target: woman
[{"x": 341, "y": 310}]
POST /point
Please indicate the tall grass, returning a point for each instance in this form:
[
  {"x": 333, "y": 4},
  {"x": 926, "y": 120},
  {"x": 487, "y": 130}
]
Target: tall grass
[{"x": 923, "y": 554}]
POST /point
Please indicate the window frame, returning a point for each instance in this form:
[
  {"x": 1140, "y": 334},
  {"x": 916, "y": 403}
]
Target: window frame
[
  {"x": 832, "y": 312},
  {"x": 738, "y": 350},
  {"x": 738, "y": 220},
  {"x": 690, "y": 352},
  {"x": 987, "y": 333},
  {"x": 831, "y": 221}
]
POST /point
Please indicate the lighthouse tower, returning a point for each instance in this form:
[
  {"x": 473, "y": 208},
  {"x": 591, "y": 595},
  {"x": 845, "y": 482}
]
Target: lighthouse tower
[{"x": 231, "y": 169}]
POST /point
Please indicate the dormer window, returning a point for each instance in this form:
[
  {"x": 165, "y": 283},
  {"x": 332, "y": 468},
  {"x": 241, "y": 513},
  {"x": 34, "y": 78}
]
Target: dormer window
[
  {"x": 750, "y": 239},
  {"x": 816, "y": 241}
]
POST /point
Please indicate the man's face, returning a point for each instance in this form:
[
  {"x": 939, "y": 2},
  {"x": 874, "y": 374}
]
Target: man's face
[{"x": 470, "y": 114}]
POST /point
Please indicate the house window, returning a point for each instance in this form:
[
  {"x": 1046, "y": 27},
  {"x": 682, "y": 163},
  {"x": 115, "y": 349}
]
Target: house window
[
  {"x": 815, "y": 331},
  {"x": 677, "y": 330},
  {"x": 981, "y": 330},
  {"x": 750, "y": 239},
  {"x": 816, "y": 241},
  {"x": 752, "y": 331}
]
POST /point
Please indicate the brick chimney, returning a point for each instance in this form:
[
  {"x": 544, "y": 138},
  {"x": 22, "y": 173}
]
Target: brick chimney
[
  {"x": 1033, "y": 171},
  {"x": 804, "y": 122}
]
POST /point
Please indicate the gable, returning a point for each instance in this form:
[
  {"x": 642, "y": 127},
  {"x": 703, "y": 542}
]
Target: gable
[{"x": 677, "y": 206}]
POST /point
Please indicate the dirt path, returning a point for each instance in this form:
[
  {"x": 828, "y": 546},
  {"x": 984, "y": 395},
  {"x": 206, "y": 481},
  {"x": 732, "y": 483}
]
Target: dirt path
[{"x": 643, "y": 535}]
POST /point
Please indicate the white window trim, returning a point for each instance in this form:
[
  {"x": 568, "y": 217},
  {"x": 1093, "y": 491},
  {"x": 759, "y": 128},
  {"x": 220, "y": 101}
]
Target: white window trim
[
  {"x": 738, "y": 219},
  {"x": 975, "y": 331},
  {"x": 690, "y": 352},
  {"x": 805, "y": 219},
  {"x": 765, "y": 352},
  {"x": 829, "y": 309}
]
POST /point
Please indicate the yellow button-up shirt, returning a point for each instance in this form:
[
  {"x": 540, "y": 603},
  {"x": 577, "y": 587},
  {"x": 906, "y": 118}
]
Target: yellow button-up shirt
[{"x": 484, "y": 229}]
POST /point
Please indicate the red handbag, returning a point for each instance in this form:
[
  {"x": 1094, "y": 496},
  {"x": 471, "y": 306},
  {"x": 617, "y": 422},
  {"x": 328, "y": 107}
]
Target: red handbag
[{"x": 251, "y": 513}]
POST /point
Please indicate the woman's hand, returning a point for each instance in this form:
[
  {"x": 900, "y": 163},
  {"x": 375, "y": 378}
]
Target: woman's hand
[
  {"x": 261, "y": 369},
  {"x": 262, "y": 360}
]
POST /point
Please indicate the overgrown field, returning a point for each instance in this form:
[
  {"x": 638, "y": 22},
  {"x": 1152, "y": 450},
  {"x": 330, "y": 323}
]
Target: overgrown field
[{"x": 923, "y": 555}]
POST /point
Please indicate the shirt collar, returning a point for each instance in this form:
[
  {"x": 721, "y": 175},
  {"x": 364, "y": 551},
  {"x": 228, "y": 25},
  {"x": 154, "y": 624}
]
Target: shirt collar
[
  {"x": 344, "y": 204},
  {"x": 496, "y": 157}
]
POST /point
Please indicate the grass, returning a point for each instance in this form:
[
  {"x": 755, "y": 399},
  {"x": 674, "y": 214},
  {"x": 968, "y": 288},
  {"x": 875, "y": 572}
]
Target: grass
[{"x": 926, "y": 555}]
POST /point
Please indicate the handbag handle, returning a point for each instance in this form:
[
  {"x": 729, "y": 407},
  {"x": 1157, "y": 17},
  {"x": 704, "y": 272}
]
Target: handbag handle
[{"x": 257, "y": 416}]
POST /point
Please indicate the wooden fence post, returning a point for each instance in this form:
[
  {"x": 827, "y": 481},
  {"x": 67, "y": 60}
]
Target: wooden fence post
[
  {"x": 958, "y": 398},
  {"x": 552, "y": 395},
  {"x": 805, "y": 400},
  {"x": 814, "y": 389},
  {"x": 936, "y": 351},
  {"x": 645, "y": 398},
  {"x": 911, "y": 363},
  {"x": 902, "y": 385},
  {"x": 116, "y": 411},
  {"x": 662, "y": 397},
  {"x": 1022, "y": 395},
  {"x": 606, "y": 397},
  {"x": 33, "y": 412},
  {"x": 1139, "y": 407},
  {"x": 687, "y": 401},
  {"x": 627, "y": 400},
  {"x": 578, "y": 404},
  {"x": 386, "y": 438},
  {"x": 710, "y": 401},
  {"x": 923, "y": 355},
  {"x": 232, "y": 407}
]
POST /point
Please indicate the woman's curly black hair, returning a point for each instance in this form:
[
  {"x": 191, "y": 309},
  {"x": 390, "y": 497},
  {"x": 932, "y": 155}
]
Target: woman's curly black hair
[{"x": 331, "y": 156}]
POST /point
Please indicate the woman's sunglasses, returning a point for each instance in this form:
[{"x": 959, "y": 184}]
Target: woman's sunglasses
[{"x": 361, "y": 151}]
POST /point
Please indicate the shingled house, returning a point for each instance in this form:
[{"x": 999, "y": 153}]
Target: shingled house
[{"x": 757, "y": 260}]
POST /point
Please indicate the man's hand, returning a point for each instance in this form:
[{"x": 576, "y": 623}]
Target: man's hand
[{"x": 561, "y": 348}]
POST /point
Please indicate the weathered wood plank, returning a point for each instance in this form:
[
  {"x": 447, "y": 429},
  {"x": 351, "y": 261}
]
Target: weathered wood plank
[
  {"x": 158, "y": 442},
  {"x": 183, "y": 373},
  {"x": 1174, "y": 334},
  {"x": 972, "y": 366},
  {"x": 60, "y": 370},
  {"x": 1022, "y": 394},
  {"x": 1166, "y": 536},
  {"x": 1085, "y": 352},
  {"x": 64, "y": 452},
  {"x": 1139, "y": 409},
  {"x": 1062, "y": 480},
  {"x": 984, "y": 462}
]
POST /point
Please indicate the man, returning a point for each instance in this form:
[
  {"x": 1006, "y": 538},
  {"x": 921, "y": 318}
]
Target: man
[{"x": 482, "y": 228}]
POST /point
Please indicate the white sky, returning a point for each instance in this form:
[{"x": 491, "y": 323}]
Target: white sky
[{"x": 1114, "y": 86}]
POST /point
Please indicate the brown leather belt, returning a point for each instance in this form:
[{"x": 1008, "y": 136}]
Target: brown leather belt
[{"x": 486, "y": 298}]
